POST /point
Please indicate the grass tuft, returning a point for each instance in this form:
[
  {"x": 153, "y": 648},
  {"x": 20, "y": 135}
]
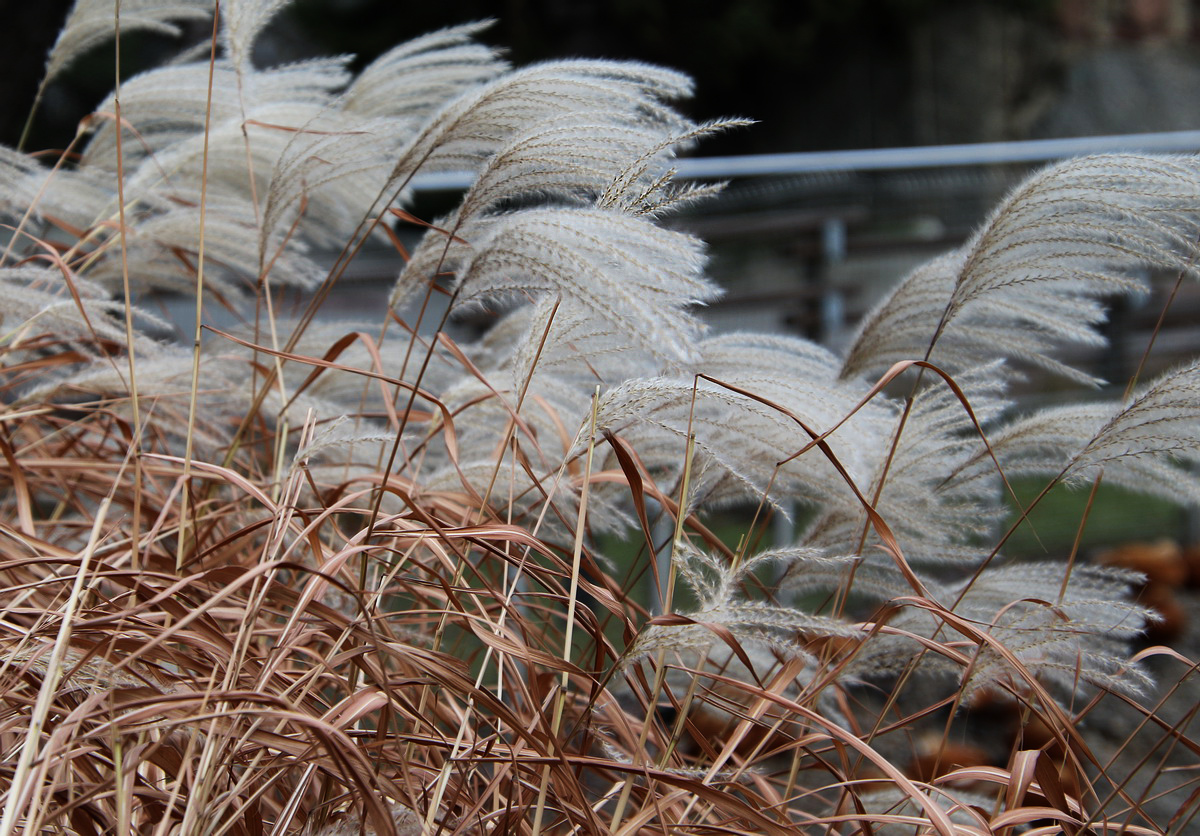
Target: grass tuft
[{"x": 305, "y": 576}]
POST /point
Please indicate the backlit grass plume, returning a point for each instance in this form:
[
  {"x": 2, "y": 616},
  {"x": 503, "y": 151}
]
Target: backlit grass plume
[{"x": 304, "y": 575}]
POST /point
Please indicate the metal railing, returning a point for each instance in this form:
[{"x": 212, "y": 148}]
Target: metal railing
[{"x": 892, "y": 159}]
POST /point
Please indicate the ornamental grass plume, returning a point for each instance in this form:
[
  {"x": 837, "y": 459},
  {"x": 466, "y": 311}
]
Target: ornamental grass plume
[{"x": 308, "y": 576}]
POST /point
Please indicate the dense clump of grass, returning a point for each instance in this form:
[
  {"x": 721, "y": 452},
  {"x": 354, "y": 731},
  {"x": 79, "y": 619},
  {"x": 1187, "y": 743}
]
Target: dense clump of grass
[{"x": 301, "y": 576}]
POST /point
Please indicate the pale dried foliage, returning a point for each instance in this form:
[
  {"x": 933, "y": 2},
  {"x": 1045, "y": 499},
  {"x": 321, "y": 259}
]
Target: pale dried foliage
[
  {"x": 376, "y": 599},
  {"x": 91, "y": 23}
]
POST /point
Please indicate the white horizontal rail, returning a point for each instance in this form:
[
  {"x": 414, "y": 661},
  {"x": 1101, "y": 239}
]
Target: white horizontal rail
[{"x": 884, "y": 159}]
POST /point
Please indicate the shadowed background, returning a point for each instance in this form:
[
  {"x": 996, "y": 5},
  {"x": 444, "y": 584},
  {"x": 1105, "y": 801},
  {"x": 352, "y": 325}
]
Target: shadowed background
[{"x": 818, "y": 75}]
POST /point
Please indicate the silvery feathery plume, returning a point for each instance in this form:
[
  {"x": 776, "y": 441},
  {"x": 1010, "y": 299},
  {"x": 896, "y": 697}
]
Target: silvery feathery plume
[
  {"x": 359, "y": 374},
  {"x": 1072, "y": 633},
  {"x": 170, "y": 104},
  {"x": 20, "y": 178},
  {"x": 330, "y": 167},
  {"x": 1146, "y": 440},
  {"x": 412, "y": 80},
  {"x": 260, "y": 164},
  {"x": 278, "y": 140},
  {"x": 585, "y": 158},
  {"x": 938, "y": 514},
  {"x": 341, "y": 442},
  {"x": 1069, "y": 633},
  {"x": 573, "y": 161},
  {"x": 560, "y": 351},
  {"x": 350, "y": 144},
  {"x": 556, "y": 351},
  {"x": 163, "y": 377},
  {"x": 162, "y": 246},
  {"x": 535, "y": 407},
  {"x": 489, "y": 431},
  {"x": 795, "y": 381},
  {"x": 1031, "y": 279},
  {"x": 165, "y": 199},
  {"x": 37, "y": 300},
  {"x": 75, "y": 198},
  {"x": 598, "y": 312},
  {"x": 733, "y": 635},
  {"x": 471, "y": 127},
  {"x": 242, "y": 21},
  {"x": 1146, "y": 444},
  {"x": 721, "y": 601},
  {"x": 743, "y": 440},
  {"x": 642, "y": 288},
  {"x": 588, "y": 125},
  {"x": 91, "y": 23}
]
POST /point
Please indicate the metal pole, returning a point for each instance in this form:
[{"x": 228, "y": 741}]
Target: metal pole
[{"x": 928, "y": 156}]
